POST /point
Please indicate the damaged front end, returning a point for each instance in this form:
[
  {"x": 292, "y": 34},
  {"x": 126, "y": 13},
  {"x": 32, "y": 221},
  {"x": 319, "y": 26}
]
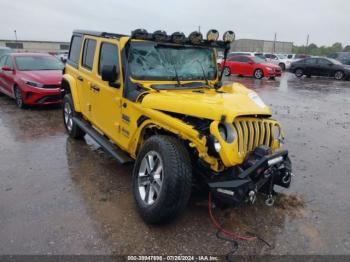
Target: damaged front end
[{"x": 259, "y": 173}]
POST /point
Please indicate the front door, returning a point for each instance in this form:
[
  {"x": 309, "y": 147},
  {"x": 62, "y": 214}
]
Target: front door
[{"x": 105, "y": 97}]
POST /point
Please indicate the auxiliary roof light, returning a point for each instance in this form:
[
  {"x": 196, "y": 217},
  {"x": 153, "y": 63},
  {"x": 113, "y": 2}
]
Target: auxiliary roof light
[
  {"x": 159, "y": 36},
  {"x": 212, "y": 35},
  {"x": 178, "y": 37},
  {"x": 228, "y": 37},
  {"x": 195, "y": 37},
  {"x": 139, "y": 34}
]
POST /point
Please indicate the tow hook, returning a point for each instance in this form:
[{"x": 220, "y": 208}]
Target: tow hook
[
  {"x": 269, "y": 200},
  {"x": 252, "y": 196}
]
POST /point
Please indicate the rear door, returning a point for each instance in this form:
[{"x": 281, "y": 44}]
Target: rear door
[
  {"x": 8, "y": 77},
  {"x": 2, "y": 73},
  {"x": 86, "y": 75},
  {"x": 246, "y": 67}
]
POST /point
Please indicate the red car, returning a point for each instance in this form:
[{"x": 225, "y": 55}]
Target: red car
[
  {"x": 250, "y": 66},
  {"x": 31, "y": 78}
]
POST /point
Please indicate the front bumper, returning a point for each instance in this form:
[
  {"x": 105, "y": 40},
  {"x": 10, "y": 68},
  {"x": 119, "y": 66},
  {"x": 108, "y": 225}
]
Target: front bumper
[
  {"x": 260, "y": 174},
  {"x": 41, "y": 96}
]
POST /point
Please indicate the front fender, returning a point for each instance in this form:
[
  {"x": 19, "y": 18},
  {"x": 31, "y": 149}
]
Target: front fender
[{"x": 69, "y": 82}]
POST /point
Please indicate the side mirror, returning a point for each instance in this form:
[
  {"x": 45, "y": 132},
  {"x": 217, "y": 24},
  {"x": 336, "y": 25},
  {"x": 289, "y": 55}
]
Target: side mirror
[
  {"x": 110, "y": 74},
  {"x": 6, "y": 68}
]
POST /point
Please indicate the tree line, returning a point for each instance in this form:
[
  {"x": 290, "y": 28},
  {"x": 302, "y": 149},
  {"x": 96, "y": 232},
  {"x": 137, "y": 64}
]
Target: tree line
[{"x": 315, "y": 50}]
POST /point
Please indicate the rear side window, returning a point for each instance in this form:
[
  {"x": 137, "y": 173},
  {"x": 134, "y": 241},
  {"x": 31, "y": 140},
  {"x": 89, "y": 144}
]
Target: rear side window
[
  {"x": 2, "y": 60},
  {"x": 74, "y": 51},
  {"x": 108, "y": 56},
  {"x": 9, "y": 62},
  {"x": 88, "y": 53},
  {"x": 244, "y": 59},
  {"x": 310, "y": 61}
]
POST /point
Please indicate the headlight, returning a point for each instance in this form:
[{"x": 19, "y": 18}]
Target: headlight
[
  {"x": 269, "y": 68},
  {"x": 32, "y": 83},
  {"x": 226, "y": 132}
]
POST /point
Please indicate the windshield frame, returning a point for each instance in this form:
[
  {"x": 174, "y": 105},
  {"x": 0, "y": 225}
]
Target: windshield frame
[{"x": 173, "y": 78}]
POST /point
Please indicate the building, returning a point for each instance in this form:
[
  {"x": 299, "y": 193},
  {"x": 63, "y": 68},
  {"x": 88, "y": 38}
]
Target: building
[
  {"x": 36, "y": 46},
  {"x": 265, "y": 46}
]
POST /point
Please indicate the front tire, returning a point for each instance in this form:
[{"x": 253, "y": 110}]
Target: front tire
[
  {"x": 299, "y": 72},
  {"x": 258, "y": 74},
  {"x": 18, "y": 98},
  {"x": 68, "y": 113},
  {"x": 162, "y": 179},
  {"x": 339, "y": 75}
]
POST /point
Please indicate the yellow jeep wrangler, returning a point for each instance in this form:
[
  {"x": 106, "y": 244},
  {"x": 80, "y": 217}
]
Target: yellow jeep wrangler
[{"x": 158, "y": 99}]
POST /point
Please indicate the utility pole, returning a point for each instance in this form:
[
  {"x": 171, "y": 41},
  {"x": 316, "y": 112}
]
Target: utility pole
[
  {"x": 16, "y": 35},
  {"x": 199, "y": 29},
  {"x": 307, "y": 43},
  {"x": 274, "y": 43}
]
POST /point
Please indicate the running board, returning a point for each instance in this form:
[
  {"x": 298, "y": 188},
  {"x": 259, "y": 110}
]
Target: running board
[{"x": 115, "y": 151}]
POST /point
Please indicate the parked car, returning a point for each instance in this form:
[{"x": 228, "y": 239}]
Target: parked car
[
  {"x": 343, "y": 57},
  {"x": 320, "y": 66},
  {"x": 62, "y": 56},
  {"x": 5, "y": 50},
  {"x": 250, "y": 66},
  {"x": 31, "y": 79},
  {"x": 284, "y": 62}
]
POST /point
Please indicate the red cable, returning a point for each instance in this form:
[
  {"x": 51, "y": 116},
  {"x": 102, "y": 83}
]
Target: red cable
[{"x": 222, "y": 230}]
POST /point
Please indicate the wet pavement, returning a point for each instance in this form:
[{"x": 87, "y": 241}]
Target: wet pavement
[{"x": 61, "y": 196}]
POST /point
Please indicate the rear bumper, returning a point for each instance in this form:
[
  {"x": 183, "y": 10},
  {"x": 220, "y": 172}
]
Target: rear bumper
[{"x": 261, "y": 174}]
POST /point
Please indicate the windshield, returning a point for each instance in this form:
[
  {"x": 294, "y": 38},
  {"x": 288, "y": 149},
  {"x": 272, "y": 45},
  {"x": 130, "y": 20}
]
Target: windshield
[
  {"x": 5, "y": 51},
  {"x": 259, "y": 60},
  {"x": 34, "y": 63},
  {"x": 151, "y": 61}
]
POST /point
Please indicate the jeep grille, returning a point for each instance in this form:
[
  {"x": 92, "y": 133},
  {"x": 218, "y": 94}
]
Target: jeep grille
[{"x": 253, "y": 132}]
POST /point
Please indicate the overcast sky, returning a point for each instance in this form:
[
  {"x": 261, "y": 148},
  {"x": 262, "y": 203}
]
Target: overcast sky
[{"x": 327, "y": 21}]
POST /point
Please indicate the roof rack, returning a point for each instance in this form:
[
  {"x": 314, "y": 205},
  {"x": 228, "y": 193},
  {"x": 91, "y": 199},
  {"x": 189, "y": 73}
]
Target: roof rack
[{"x": 97, "y": 33}]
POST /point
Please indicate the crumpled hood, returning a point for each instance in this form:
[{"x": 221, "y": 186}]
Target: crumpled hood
[{"x": 233, "y": 101}]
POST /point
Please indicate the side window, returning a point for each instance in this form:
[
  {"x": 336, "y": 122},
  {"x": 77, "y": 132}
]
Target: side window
[
  {"x": 310, "y": 61},
  {"x": 290, "y": 56},
  {"x": 74, "y": 50},
  {"x": 244, "y": 59},
  {"x": 9, "y": 62},
  {"x": 88, "y": 53},
  {"x": 234, "y": 59},
  {"x": 108, "y": 56},
  {"x": 324, "y": 62},
  {"x": 2, "y": 60},
  {"x": 268, "y": 56}
]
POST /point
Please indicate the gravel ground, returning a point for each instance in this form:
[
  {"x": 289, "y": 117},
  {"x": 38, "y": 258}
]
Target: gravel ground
[{"x": 60, "y": 196}]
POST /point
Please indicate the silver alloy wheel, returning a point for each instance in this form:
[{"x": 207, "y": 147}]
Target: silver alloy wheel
[
  {"x": 339, "y": 75},
  {"x": 18, "y": 95},
  {"x": 258, "y": 74},
  {"x": 150, "y": 177},
  {"x": 227, "y": 71},
  {"x": 68, "y": 118}
]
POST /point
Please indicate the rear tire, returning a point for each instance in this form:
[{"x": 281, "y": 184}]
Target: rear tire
[
  {"x": 68, "y": 113},
  {"x": 282, "y": 66},
  {"x": 339, "y": 75},
  {"x": 162, "y": 179},
  {"x": 258, "y": 74},
  {"x": 227, "y": 71},
  {"x": 299, "y": 72},
  {"x": 18, "y": 98}
]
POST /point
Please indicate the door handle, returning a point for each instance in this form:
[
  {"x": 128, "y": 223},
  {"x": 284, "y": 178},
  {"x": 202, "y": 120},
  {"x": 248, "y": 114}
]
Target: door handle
[
  {"x": 95, "y": 87},
  {"x": 80, "y": 78}
]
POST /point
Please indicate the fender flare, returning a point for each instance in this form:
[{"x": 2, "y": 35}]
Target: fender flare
[{"x": 69, "y": 85}]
